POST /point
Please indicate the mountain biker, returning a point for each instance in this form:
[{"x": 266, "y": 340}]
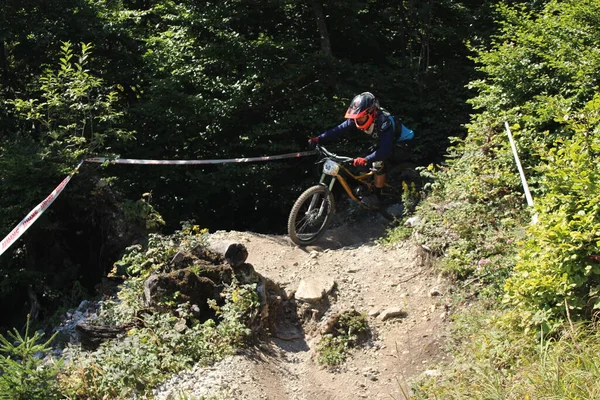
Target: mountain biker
[{"x": 365, "y": 115}]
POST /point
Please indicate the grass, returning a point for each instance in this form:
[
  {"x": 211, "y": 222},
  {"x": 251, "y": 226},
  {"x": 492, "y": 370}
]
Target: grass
[
  {"x": 348, "y": 331},
  {"x": 493, "y": 360}
]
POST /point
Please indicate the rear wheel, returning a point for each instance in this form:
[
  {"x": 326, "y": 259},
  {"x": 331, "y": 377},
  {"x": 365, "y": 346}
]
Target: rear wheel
[{"x": 311, "y": 215}]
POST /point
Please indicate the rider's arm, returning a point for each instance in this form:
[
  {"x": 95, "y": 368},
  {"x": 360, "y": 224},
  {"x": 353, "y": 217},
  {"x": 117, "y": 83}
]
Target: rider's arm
[{"x": 337, "y": 132}]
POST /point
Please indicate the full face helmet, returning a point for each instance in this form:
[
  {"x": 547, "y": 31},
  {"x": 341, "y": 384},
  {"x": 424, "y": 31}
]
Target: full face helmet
[{"x": 362, "y": 110}]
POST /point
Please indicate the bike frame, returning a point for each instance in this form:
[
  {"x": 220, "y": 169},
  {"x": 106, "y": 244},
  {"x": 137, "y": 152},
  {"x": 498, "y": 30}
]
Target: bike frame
[
  {"x": 344, "y": 176},
  {"x": 361, "y": 179}
]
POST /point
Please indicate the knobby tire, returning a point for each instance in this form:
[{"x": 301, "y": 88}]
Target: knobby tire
[{"x": 311, "y": 215}]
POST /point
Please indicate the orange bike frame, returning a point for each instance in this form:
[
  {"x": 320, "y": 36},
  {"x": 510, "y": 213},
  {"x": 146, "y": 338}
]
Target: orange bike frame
[{"x": 362, "y": 179}]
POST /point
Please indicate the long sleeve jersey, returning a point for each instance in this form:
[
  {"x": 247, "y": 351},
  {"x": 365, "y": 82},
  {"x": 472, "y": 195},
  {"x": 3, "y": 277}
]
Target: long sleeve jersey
[{"x": 383, "y": 131}]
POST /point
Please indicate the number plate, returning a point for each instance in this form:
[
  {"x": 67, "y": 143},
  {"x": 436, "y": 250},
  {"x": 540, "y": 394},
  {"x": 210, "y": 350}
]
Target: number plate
[{"x": 331, "y": 168}]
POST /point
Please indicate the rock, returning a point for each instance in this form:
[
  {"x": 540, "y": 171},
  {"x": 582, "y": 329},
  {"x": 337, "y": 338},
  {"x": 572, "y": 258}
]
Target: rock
[
  {"x": 83, "y": 306},
  {"x": 391, "y": 313},
  {"x": 180, "y": 325},
  {"x": 178, "y": 287},
  {"x": 236, "y": 254},
  {"x": 396, "y": 210},
  {"x": 374, "y": 312},
  {"x": 219, "y": 274},
  {"x": 246, "y": 274},
  {"x": 314, "y": 289},
  {"x": 181, "y": 260},
  {"x": 434, "y": 292},
  {"x": 411, "y": 222}
]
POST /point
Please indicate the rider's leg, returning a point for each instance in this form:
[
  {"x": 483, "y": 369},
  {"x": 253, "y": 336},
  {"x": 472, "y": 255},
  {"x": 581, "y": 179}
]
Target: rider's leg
[
  {"x": 373, "y": 200},
  {"x": 380, "y": 175},
  {"x": 379, "y": 181},
  {"x": 399, "y": 160},
  {"x": 379, "y": 184}
]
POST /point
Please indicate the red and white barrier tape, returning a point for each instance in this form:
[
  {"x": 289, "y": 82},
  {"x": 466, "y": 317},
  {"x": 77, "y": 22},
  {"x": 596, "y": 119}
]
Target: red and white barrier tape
[
  {"x": 197, "y": 162},
  {"x": 34, "y": 214}
]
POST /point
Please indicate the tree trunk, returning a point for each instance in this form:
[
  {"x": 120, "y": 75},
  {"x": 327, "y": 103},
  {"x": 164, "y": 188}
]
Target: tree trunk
[
  {"x": 92, "y": 335},
  {"x": 320, "y": 17},
  {"x": 34, "y": 308},
  {"x": 4, "y": 65}
]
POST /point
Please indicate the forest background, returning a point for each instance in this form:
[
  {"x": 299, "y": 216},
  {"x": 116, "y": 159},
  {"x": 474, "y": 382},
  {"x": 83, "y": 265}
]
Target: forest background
[
  {"x": 204, "y": 80},
  {"x": 199, "y": 80}
]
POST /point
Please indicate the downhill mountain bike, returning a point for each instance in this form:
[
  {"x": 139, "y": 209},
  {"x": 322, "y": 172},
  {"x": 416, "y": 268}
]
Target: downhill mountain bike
[{"x": 313, "y": 210}]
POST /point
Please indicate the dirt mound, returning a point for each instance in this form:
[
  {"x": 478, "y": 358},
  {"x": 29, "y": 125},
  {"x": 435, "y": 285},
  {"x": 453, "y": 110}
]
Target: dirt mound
[{"x": 368, "y": 277}]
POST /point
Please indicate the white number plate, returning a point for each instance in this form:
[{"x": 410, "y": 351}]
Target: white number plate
[{"x": 331, "y": 168}]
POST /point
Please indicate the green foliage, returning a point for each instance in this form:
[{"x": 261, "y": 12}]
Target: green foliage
[
  {"x": 141, "y": 261},
  {"x": 541, "y": 74},
  {"x": 61, "y": 115},
  {"x": 474, "y": 232},
  {"x": 141, "y": 212},
  {"x": 73, "y": 113},
  {"x": 542, "y": 65},
  {"x": 238, "y": 312},
  {"x": 554, "y": 270},
  {"x": 151, "y": 353},
  {"x": 495, "y": 362},
  {"x": 397, "y": 234},
  {"x": 536, "y": 72},
  {"x": 25, "y": 372},
  {"x": 348, "y": 331},
  {"x": 163, "y": 344},
  {"x": 410, "y": 197}
]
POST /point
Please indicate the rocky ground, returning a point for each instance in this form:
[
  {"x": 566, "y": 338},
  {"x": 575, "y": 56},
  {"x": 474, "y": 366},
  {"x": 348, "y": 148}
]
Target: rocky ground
[{"x": 369, "y": 277}]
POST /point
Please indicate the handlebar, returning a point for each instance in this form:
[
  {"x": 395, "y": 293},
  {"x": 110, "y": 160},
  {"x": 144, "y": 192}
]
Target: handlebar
[{"x": 331, "y": 155}]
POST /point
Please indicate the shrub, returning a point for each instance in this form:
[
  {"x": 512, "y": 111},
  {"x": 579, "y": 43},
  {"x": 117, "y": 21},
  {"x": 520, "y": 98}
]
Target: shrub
[
  {"x": 348, "y": 331},
  {"x": 25, "y": 372},
  {"x": 164, "y": 345},
  {"x": 554, "y": 270}
]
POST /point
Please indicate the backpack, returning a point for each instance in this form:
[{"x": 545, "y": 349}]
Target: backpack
[{"x": 401, "y": 132}]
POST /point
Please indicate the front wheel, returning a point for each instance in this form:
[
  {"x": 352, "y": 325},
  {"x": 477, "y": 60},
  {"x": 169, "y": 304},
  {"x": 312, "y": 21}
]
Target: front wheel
[{"x": 311, "y": 215}]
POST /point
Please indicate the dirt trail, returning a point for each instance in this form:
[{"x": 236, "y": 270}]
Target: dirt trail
[{"x": 369, "y": 277}]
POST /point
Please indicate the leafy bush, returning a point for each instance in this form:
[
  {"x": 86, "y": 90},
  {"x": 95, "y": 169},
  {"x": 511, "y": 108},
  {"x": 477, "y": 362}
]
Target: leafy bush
[
  {"x": 74, "y": 112},
  {"x": 554, "y": 271},
  {"x": 141, "y": 261},
  {"x": 541, "y": 71},
  {"x": 471, "y": 223},
  {"x": 142, "y": 213},
  {"x": 164, "y": 345}
]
